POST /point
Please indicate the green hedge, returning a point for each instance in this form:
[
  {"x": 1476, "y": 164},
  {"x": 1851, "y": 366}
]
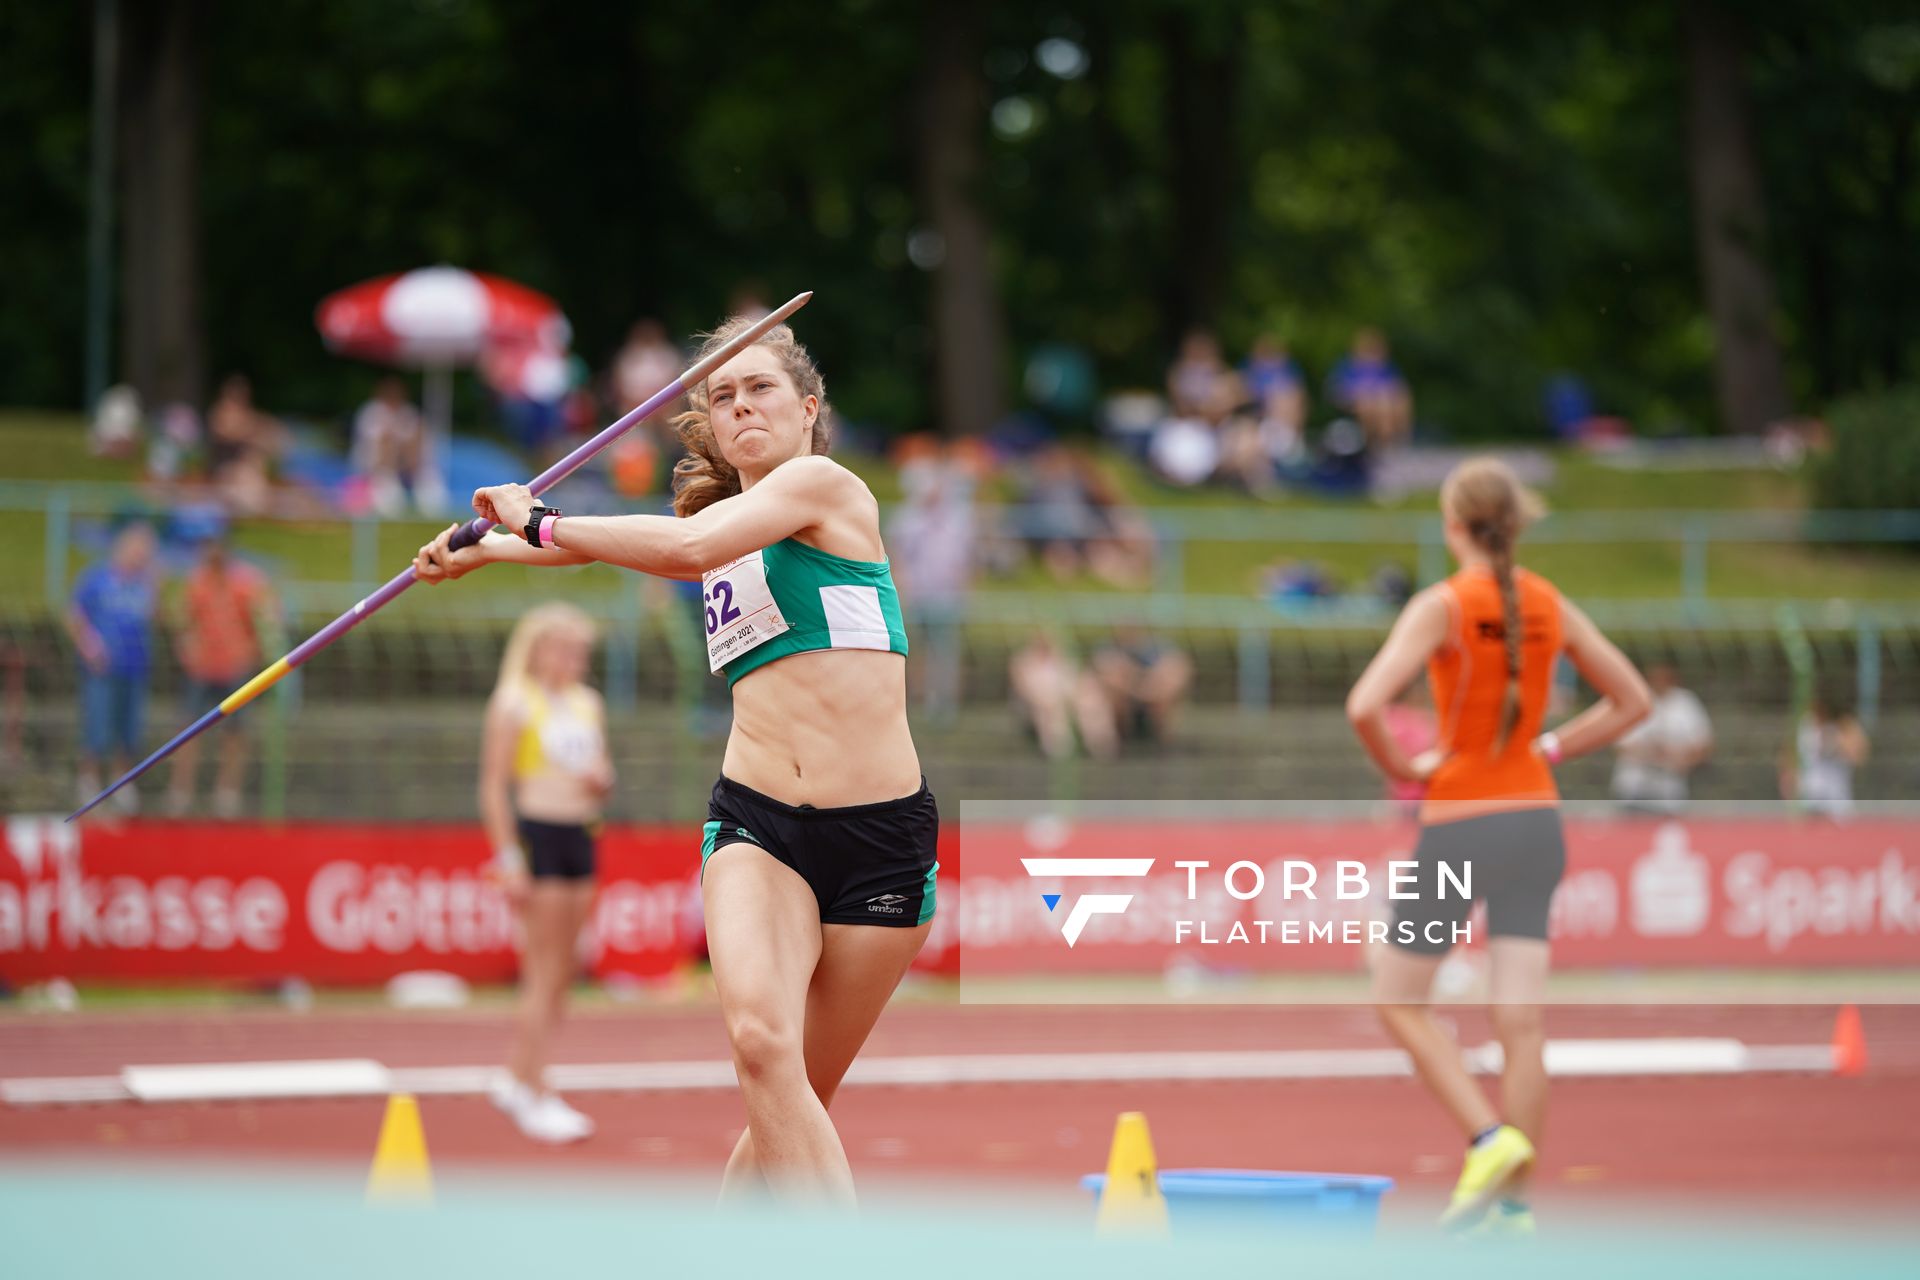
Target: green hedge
[{"x": 1875, "y": 460}]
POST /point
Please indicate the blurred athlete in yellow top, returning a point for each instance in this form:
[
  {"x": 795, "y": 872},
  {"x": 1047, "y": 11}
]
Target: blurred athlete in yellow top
[
  {"x": 1488, "y": 638},
  {"x": 544, "y": 774}
]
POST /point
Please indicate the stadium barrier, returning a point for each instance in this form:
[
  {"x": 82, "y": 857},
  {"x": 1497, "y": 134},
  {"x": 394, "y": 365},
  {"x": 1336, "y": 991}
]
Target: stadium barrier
[{"x": 358, "y": 903}]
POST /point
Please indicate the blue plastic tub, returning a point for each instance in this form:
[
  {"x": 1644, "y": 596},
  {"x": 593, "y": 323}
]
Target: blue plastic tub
[{"x": 1342, "y": 1203}]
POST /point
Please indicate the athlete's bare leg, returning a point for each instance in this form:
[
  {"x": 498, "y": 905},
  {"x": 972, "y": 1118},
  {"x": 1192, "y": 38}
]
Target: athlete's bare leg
[
  {"x": 1519, "y": 985},
  {"x": 763, "y": 930},
  {"x": 1402, "y": 980},
  {"x": 860, "y": 966}
]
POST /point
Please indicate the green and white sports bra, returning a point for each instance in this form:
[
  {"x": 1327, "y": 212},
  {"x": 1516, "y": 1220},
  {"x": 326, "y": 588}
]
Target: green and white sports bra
[{"x": 793, "y": 598}]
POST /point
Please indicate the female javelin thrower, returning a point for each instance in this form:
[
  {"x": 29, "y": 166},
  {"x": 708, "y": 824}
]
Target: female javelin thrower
[
  {"x": 1488, "y": 637},
  {"x": 821, "y": 826},
  {"x": 544, "y": 773}
]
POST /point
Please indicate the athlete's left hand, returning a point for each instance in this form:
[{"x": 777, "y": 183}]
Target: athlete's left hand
[
  {"x": 600, "y": 776},
  {"x": 505, "y": 504},
  {"x": 1426, "y": 764}
]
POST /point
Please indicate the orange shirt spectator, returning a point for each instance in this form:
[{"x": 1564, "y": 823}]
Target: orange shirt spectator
[{"x": 221, "y": 642}]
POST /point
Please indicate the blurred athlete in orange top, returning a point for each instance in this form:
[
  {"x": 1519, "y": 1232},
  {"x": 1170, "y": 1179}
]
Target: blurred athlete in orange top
[{"x": 1488, "y": 637}]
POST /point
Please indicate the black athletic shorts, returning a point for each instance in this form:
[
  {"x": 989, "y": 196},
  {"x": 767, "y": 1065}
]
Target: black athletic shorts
[
  {"x": 557, "y": 850},
  {"x": 866, "y": 863},
  {"x": 1514, "y": 861}
]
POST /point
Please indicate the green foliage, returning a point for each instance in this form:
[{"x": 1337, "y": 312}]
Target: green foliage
[
  {"x": 1499, "y": 185},
  {"x": 1874, "y": 464}
]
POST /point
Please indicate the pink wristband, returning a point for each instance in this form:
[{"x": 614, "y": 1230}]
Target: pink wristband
[
  {"x": 1550, "y": 747},
  {"x": 546, "y": 529}
]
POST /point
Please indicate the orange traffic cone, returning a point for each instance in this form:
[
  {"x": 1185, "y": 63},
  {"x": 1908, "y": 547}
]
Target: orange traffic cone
[{"x": 1849, "y": 1043}]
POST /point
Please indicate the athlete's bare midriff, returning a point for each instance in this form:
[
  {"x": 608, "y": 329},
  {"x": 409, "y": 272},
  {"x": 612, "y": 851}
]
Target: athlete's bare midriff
[{"x": 826, "y": 728}]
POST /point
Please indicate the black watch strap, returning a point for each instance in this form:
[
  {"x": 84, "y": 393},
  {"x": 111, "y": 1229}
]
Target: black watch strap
[{"x": 532, "y": 530}]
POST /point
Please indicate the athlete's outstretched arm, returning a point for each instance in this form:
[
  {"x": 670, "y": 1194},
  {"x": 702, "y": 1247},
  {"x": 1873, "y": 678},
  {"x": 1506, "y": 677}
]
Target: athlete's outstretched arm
[
  {"x": 436, "y": 562},
  {"x": 1624, "y": 697},
  {"x": 1417, "y": 635},
  {"x": 794, "y": 496}
]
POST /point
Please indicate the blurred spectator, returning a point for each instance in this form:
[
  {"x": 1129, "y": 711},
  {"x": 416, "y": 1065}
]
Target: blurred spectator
[
  {"x": 1828, "y": 745},
  {"x": 242, "y": 443},
  {"x": 1055, "y": 516},
  {"x": 1146, "y": 679},
  {"x": 1202, "y": 392},
  {"x": 175, "y": 442},
  {"x": 219, "y": 645},
  {"x": 117, "y": 424},
  {"x": 932, "y": 538},
  {"x": 1120, "y": 549},
  {"x": 1200, "y": 384},
  {"x": 388, "y": 436},
  {"x": 1571, "y": 414},
  {"x": 1279, "y": 393},
  {"x": 1053, "y": 696},
  {"x": 1655, "y": 759},
  {"x": 1294, "y": 581},
  {"x": 110, "y": 619},
  {"x": 647, "y": 362},
  {"x": 1410, "y": 722},
  {"x": 1392, "y": 585},
  {"x": 1366, "y": 385}
]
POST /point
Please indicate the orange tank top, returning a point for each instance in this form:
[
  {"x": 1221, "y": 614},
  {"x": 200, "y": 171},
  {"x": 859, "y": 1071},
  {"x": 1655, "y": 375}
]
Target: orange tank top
[{"x": 1469, "y": 680}]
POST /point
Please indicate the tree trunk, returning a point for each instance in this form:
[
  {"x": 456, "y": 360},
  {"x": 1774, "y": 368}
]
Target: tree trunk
[
  {"x": 163, "y": 344},
  {"x": 966, "y": 310},
  {"x": 1203, "y": 79},
  {"x": 1729, "y": 224}
]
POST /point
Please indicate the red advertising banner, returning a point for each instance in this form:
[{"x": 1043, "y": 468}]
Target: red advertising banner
[
  {"x": 355, "y": 903},
  {"x": 342, "y": 903},
  {"x": 1705, "y": 892}
]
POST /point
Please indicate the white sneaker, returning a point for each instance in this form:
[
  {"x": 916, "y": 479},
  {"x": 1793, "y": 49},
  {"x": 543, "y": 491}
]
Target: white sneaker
[
  {"x": 556, "y": 1116},
  {"x": 540, "y": 1116}
]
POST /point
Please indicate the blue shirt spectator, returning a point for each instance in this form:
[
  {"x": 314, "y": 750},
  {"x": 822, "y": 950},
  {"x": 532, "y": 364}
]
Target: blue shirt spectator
[
  {"x": 111, "y": 622},
  {"x": 117, "y": 599},
  {"x": 1270, "y": 370}
]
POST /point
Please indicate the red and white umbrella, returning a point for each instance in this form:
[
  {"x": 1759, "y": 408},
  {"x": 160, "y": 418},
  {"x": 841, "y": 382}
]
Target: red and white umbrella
[{"x": 439, "y": 316}]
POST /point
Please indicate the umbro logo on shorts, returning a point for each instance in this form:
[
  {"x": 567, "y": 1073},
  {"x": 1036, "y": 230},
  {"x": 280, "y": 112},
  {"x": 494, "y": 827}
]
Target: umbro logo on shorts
[{"x": 888, "y": 904}]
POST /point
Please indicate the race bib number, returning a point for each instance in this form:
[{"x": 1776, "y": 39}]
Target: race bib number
[{"x": 741, "y": 614}]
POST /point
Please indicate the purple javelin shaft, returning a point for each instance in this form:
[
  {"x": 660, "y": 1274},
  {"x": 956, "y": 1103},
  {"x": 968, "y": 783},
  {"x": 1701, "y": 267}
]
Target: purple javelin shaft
[{"x": 470, "y": 533}]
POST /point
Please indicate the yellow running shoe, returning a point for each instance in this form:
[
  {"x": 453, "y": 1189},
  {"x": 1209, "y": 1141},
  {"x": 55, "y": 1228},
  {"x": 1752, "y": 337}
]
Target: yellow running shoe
[{"x": 1488, "y": 1168}]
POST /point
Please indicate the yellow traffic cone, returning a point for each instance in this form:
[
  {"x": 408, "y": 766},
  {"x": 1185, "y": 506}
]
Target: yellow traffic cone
[
  {"x": 400, "y": 1174},
  {"x": 1131, "y": 1202}
]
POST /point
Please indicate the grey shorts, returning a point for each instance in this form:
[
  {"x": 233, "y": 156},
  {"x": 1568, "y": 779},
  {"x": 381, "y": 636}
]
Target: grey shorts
[{"x": 1512, "y": 861}]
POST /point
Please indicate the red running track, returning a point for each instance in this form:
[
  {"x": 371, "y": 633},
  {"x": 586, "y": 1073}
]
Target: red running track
[{"x": 1800, "y": 1139}]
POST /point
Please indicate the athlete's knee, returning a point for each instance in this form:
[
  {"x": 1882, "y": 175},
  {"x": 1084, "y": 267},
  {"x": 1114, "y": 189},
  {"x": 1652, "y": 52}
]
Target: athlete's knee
[
  {"x": 764, "y": 1046},
  {"x": 1519, "y": 1024}
]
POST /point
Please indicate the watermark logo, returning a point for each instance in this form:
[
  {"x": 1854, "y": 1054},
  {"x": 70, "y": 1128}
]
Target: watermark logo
[{"x": 1087, "y": 905}]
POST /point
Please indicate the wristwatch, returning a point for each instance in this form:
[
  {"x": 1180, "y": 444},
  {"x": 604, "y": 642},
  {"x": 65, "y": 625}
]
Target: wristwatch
[{"x": 539, "y": 530}]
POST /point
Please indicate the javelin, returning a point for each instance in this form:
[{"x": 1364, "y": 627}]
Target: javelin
[{"x": 471, "y": 533}]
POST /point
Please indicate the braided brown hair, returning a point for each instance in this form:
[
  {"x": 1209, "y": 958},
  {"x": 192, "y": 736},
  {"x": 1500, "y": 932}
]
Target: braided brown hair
[
  {"x": 703, "y": 477},
  {"x": 1485, "y": 496}
]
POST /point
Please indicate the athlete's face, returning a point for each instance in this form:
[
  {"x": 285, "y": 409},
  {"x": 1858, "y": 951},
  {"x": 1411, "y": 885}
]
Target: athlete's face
[
  {"x": 561, "y": 658},
  {"x": 759, "y": 418}
]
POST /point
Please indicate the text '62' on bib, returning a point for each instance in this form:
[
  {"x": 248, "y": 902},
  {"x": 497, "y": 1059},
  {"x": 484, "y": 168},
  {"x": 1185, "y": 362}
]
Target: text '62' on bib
[{"x": 741, "y": 613}]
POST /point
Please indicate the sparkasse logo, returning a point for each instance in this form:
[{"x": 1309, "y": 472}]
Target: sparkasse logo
[{"x": 1088, "y": 905}]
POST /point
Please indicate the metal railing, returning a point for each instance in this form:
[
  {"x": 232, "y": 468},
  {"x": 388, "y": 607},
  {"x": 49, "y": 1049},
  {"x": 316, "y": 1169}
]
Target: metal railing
[{"x": 1173, "y": 529}]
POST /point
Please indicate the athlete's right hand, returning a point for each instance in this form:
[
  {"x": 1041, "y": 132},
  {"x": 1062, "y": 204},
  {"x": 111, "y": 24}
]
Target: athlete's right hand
[
  {"x": 438, "y": 562},
  {"x": 1426, "y": 764}
]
